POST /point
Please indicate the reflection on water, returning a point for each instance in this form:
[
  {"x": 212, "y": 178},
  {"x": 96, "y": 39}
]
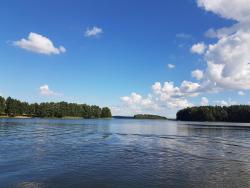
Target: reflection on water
[
  {"x": 123, "y": 153},
  {"x": 29, "y": 185}
]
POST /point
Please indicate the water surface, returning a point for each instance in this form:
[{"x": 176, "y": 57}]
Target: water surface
[{"x": 123, "y": 153}]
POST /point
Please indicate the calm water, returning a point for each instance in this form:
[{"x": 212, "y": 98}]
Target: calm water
[{"x": 123, "y": 154}]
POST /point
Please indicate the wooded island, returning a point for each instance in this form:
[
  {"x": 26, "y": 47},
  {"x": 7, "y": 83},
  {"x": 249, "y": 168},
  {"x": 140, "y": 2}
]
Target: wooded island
[
  {"x": 148, "y": 116},
  {"x": 234, "y": 113}
]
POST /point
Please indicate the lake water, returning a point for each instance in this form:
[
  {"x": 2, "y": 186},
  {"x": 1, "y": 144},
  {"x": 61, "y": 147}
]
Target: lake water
[{"x": 123, "y": 154}]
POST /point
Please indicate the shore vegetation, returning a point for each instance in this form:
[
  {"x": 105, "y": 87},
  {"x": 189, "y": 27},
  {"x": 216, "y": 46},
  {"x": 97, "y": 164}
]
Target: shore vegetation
[
  {"x": 15, "y": 108},
  {"x": 234, "y": 113}
]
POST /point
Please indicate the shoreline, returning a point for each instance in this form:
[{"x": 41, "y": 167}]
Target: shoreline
[
  {"x": 28, "y": 117},
  {"x": 77, "y": 118},
  {"x": 16, "y": 117},
  {"x": 81, "y": 118}
]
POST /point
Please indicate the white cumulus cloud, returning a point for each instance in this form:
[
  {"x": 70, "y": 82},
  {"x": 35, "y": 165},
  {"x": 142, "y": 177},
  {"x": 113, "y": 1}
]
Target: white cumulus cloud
[
  {"x": 39, "y": 44},
  {"x": 164, "y": 96},
  {"x": 94, "y": 31},
  {"x": 136, "y": 99},
  {"x": 231, "y": 9},
  {"x": 225, "y": 103},
  {"x": 45, "y": 91},
  {"x": 171, "y": 66},
  {"x": 241, "y": 93},
  {"x": 228, "y": 59},
  {"x": 204, "y": 101},
  {"x": 198, "y": 74},
  {"x": 198, "y": 48}
]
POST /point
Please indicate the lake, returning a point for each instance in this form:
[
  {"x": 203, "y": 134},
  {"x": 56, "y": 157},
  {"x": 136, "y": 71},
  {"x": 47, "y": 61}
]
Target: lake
[{"x": 121, "y": 153}]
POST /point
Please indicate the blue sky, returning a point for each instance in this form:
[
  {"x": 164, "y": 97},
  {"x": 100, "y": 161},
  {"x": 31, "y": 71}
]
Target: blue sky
[{"x": 113, "y": 52}]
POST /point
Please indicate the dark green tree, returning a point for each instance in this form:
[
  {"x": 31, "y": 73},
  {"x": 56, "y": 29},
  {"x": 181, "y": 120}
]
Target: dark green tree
[
  {"x": 95, "y": 111},
  {"x": 2, "y": 105},
  {"x": 106, "y": 113},
  {"x": 12, "y": 107}
]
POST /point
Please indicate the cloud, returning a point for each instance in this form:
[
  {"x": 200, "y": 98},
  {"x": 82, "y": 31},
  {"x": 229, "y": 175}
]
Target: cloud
[
  {"x": 45, "y": 91},
  {"x": 39, "y": 44},
  {"x": 183, "y": 36},
  {"x": 221, "y": 103},
  {"x": 198, "y": 48},
  {"x": 171, "y": 66},
  {"x": 183, "y": 39},
  {"x": 168, "y": 90},
  {"x": 234, "y": 9},
  {"x": 163, "y": 96},
  {"x": 133, "y": 99},
  {"x": 204, "y": 101},
  {"x": 189, "y": 88},
  {"x": 228, "y": 59},
  {"x": 135, "y": 103},
  {"x": 94, "y": 31},
  {"x": 211, "y": 33},
  {"x": 225, "y": 103},
  {"x": 136, "y": 99},
  {"x": 198, "y": 74},
  {"x": 241, "y": 93}
]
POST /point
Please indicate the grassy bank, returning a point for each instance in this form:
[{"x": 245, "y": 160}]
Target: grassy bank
[{"x": 16, "y": 117}]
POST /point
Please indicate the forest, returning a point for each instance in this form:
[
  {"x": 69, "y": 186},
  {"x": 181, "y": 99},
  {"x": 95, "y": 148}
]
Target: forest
[
  {"x": 234, "y": 113},
  {"x": 148, "y": 116},
  {"x": 13, "y": 107}
]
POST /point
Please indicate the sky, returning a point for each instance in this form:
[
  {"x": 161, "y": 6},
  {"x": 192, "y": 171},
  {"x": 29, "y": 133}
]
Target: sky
[{"x": 134, "y": 56}]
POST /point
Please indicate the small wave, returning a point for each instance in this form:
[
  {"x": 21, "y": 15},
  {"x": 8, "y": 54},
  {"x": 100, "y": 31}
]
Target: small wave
[{"x": 29, "y": 185}]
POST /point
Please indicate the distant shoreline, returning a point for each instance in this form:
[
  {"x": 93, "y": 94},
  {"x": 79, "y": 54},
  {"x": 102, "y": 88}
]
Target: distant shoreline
[
  {"x": 143, "y": 117},
  {"x": 28, "y": 117},
  {"x": 79, "y": 118},
  {"x": 16, "y": 117}
]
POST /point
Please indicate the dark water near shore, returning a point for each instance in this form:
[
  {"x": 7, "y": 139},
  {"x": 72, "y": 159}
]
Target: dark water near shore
[{"x": 123, "y": 154}]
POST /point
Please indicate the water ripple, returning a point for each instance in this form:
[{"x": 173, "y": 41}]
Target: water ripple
[{"x": 122, "y": 153}]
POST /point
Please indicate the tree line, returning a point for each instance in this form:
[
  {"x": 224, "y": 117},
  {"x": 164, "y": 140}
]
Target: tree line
[
  {"x": 148, "y": 116},
  {"x": 13, "y": 107},
  {"x": 234, "y": 113}
]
